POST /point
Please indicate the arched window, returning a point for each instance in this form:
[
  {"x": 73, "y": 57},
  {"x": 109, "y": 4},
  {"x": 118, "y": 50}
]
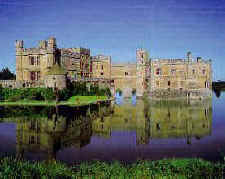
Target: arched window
[{"x": 158, "y": 71}]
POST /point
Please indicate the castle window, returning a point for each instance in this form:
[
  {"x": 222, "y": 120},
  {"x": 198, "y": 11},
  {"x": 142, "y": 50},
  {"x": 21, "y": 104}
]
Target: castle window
[
  {"x": 173, "y": 71},
  {"x": 32, "y": 75},
  {"x": 91, "y": 67},
  {"x": 38, "y": 75},
  {"x": 206, "y": 84},
  {"x": 38, "y": 61},
  {"x": 203, "y": 71},
  {"x": 31, "y": 60},
  {"x": 102, "y": 67},
  {"x": 168, "y": 83},
  {"x": 102, "y": 73},
  {"x": 126, "y": 73},
  {"x": 193, "y": 71},
  {"x": 158, "y": 71}
]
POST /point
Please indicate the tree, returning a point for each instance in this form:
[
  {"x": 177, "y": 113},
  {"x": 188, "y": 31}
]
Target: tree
[{"x": 6, "y": 74}]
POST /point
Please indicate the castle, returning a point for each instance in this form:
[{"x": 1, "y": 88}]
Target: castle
[{"x": 50, "y": 66}]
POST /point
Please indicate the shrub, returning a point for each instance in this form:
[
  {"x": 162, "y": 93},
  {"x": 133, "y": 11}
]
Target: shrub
[
  {"x": 48, "y": 94},
  {"x": 108, "y": 92},
  {"x": 1, "y": 93},
  {"x": 64, "y": 94},
  {"x": 14, "y": 98}
]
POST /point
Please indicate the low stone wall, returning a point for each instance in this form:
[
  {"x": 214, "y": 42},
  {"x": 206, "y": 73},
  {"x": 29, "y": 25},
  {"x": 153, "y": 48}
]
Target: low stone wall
[
  {"x": 21, "y": 84},
  {"x": 56, "y": 80},
  {"x": 8, "y": 83}
]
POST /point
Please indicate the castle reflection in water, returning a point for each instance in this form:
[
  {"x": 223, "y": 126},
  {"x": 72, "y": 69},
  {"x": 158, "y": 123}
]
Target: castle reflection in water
[{"x": 44, "y": 131}]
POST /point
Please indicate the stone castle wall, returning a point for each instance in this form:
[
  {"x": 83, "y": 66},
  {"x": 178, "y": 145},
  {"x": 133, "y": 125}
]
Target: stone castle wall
[
  {"x": 101, "y": 66},
  {"x": 150, "y": 76},
  {"x": 21, "y": 84},
  {"x": 180, "y": 77},
  {"x": 124, "y": 78}
]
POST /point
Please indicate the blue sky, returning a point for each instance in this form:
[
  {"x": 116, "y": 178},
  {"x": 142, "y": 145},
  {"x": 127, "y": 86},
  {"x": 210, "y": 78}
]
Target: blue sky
[{"x": 166, "y": 28}]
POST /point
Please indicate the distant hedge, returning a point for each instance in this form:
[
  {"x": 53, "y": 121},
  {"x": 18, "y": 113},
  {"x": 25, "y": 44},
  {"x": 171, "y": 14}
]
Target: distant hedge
[
  {"x": 9, "y": 94},
  {"x": 48, "y": 94}
]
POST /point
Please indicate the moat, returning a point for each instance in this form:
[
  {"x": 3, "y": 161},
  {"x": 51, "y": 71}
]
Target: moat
[{"x": 126, "y": 130}]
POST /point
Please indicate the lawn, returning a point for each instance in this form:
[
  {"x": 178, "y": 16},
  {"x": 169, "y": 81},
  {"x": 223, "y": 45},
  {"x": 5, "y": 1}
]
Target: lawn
[
  {"x": 83, "y": 100},
  {"x": 73, "y": 101}
]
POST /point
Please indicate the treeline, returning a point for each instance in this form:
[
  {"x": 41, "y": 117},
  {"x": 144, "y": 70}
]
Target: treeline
[
  {"x": 50, "y": 94},
  {"x": 6, "y": 74}
]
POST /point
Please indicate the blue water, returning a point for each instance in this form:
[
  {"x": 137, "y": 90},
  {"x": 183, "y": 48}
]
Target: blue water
[{"x": 126, "y": 131}]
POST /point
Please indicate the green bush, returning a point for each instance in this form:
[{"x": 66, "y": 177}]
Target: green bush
[
  {"x": 9, "y": 94},
  {"x": 108, "y": 92},
  {"x": 15, "y": 98},
  {"x": 64, "y": 94},
  {"x": 1, "y": 94},
  {"x": 48, "y": 94}
]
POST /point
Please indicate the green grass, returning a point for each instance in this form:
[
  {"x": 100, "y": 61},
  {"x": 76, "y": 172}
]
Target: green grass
[
  {"x": 83, "y": 100},
  {"x": 28, "y": 103},
  {"x": 168, "y": 168},
  {"x": 73, "y": 101}
]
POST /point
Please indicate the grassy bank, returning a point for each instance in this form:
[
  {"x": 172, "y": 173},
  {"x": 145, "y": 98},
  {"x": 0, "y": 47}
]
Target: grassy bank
[
  {"x": 178, "y": 168},
  {"x": 73, "y": 101}
]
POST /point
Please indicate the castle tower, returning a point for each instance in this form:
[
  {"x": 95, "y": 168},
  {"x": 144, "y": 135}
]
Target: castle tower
[
  {"x": 42, "y": 44},
  {"x": 51, "y": 53},
  {"x": 52, "y": 43},
  {"x": 189, "y": 57},
  {"x": 19, "y": 56},
  {"x": 19, "y": 44},
  {"x": 142, "y": 58}
]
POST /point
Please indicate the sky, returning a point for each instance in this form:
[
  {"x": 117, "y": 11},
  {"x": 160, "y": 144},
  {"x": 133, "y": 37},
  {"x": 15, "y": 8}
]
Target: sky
[{"x": 166, "y": 28}]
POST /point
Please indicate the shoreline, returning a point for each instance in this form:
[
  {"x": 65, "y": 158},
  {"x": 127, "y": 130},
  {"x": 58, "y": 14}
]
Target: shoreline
[{"x": 78, "y": 103}]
